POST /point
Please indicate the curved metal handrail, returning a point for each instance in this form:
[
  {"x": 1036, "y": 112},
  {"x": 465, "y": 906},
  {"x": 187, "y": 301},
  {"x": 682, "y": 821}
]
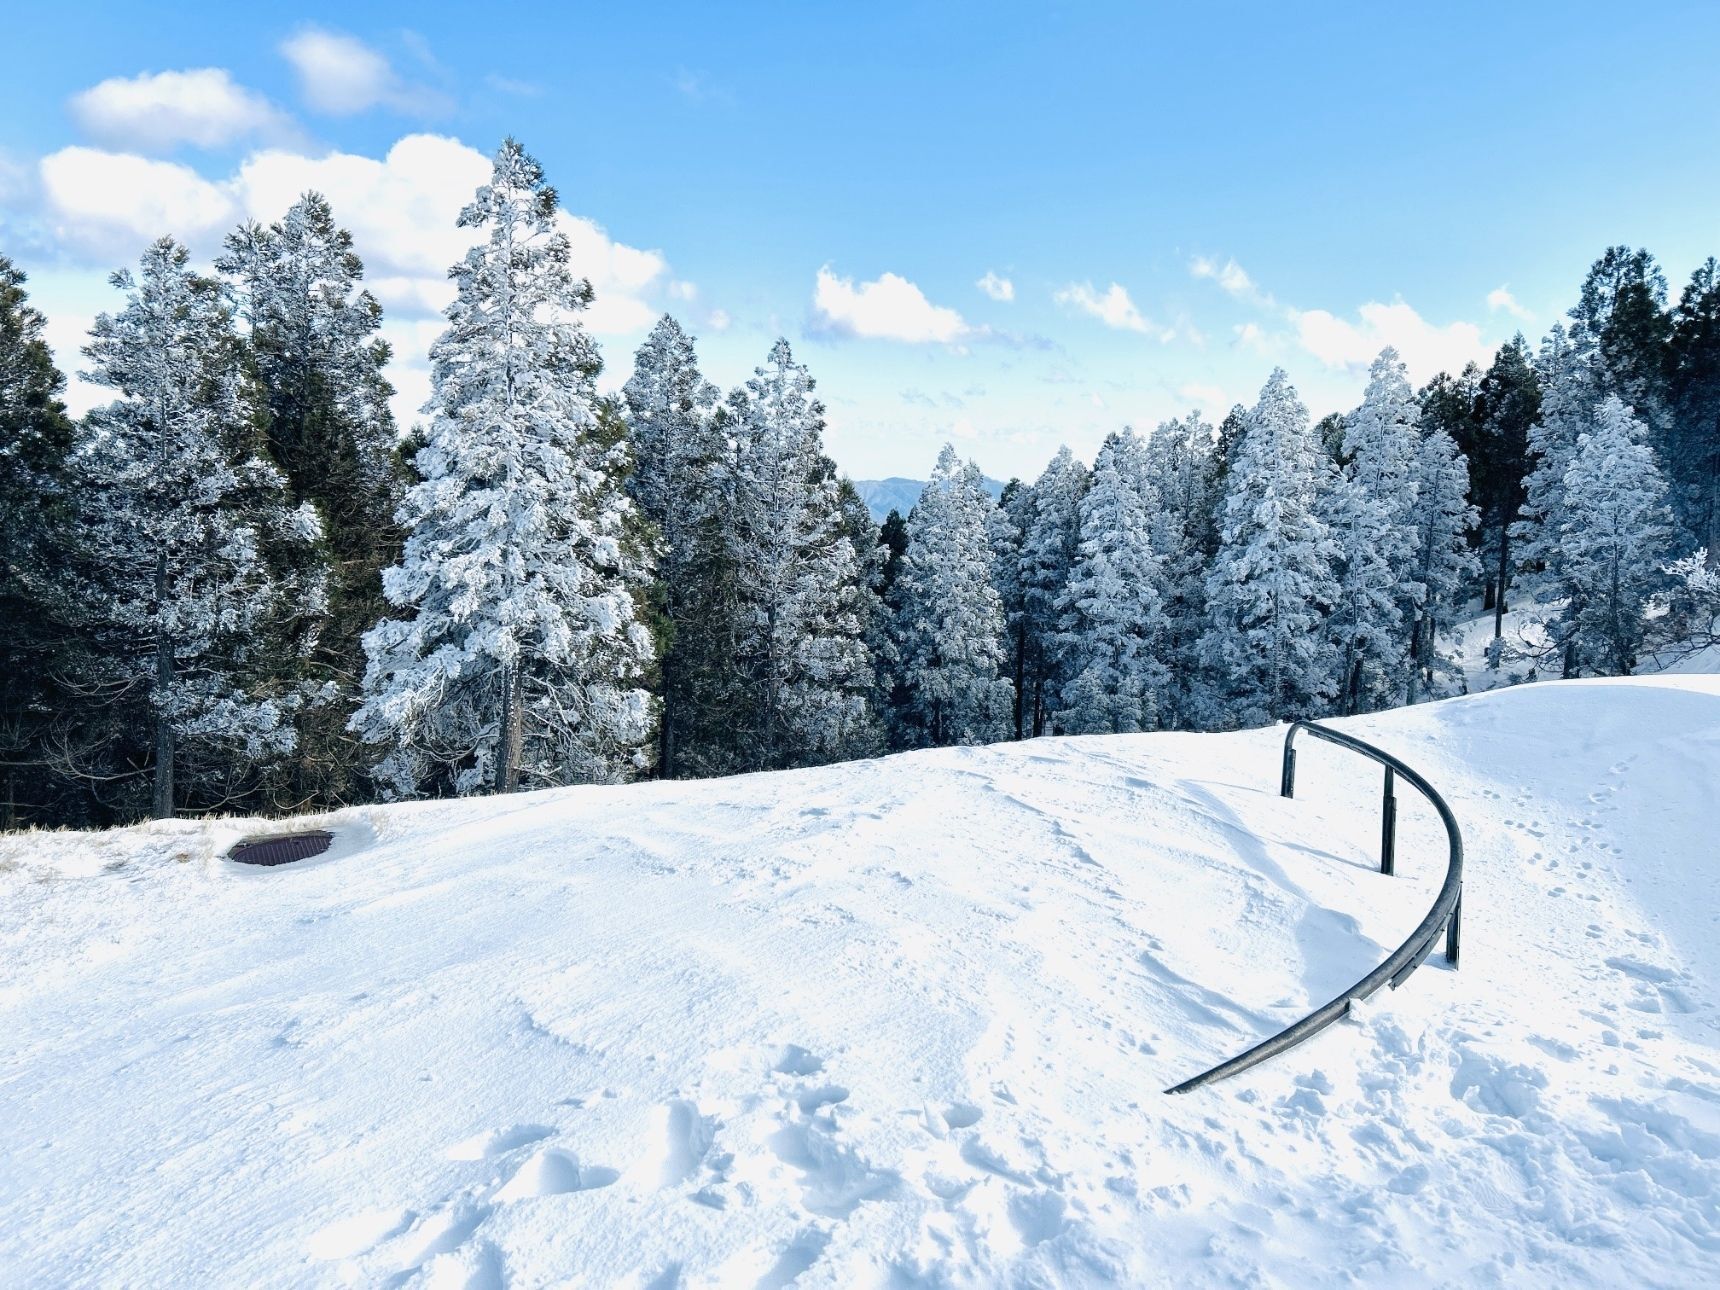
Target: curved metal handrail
[{"x": 1446, "y": 913}]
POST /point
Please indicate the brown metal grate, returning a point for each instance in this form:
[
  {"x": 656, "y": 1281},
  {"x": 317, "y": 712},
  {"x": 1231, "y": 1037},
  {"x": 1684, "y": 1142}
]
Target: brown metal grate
[{"x": 283, "y": 849}]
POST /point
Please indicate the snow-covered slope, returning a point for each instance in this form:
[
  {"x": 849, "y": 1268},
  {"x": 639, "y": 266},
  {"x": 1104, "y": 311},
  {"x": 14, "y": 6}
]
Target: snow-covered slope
[{"x": 897, "y": 1023}]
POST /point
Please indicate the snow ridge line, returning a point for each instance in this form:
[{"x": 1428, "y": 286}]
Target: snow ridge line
[{"x": 1444, "y": 916}]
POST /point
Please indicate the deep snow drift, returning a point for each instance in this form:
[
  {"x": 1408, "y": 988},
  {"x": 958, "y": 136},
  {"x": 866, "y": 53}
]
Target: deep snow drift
[{"x": 897, "y": 1023}]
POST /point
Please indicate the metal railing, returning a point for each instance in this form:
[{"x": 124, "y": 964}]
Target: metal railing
[{"x": 1446, "y": 914}]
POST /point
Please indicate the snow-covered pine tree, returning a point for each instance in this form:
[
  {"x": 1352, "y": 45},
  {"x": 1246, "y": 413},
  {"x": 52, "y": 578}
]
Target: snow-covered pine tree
[
  {"x": 1051, "y": 543},
  {"x": 190, "y": 538},
  {"x": 1370, "y": 509},
  {"x": 1179, "y": 467},
  {"x": 1569, "y": 394},
  {"x": 520, "y": 656},
  {"x": 799, "y": 631},
  {"x": 1113, "y": 620},
  {"x": 1445, "y": 563},
  {"x": 311, "y": 332},
  {"x": 949, "y": 627},
  {"x": 679, "y": 463},
  {"x": 1495, "y": 411},
  {"x": 36, "y": 442},
  {"x": 1617, "y": 530},
  {"x": 1006, "y": 529},
  {"x": 1271, "y": 584},
  {"x": 1620, "y": 325},
  {"x": 1693, "y": 463},
  {"x": 873, "y": 557}
]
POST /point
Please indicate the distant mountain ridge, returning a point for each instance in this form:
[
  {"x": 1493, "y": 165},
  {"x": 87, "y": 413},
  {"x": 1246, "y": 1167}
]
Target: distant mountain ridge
[{"x": 897, "y": 494}]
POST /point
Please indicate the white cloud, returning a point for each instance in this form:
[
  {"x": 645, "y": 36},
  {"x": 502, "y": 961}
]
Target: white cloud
[
  {"x": 718, "y": 320},
  {"x": 202, "y": 106},
  {"x": 1231, "y": 278},
  {"x": 1253, "y": 335},
  {"x": 1001, "y": 289},
  {"x": 1229, "y": 275},
  {"x": 1500, "y": 299},
  {"x": 888, "y": 308},
  {"x": 340, "y": 75},
  {"x": 1426, "y": 348},
  {"x": 1209, "y": 397},
  {"x": 100, "y": 202},
  {"x": 1349, "y": 345},
  {"x": 400, "y": 209},
  {"x": 1113, "y": 308}
]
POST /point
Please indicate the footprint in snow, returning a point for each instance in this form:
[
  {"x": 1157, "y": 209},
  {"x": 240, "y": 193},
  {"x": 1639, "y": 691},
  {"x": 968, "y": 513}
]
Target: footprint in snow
[
  {"x": 962, "y": 1115},
  {"x": 796, "y": 1060},
  {"x": 818, "y": 1098},
  {"x": 349, "y": 1237},
  {"x": 552, "y": 1172},
  {"x": 688, "y": 1136},
  {"x": 498, "y": 1142}
]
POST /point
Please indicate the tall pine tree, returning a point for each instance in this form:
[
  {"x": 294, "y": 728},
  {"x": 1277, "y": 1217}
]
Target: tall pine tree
[
  {"x": 1371, "y": 514},
  {"x": 1507, "y": 403},
  {"x": 949, "y": 626},
  {"x": 36, "y": 440},
  {"x": 678, "y": 472},
  {"x": 521, "y": 656},
  {"x": 1271, "y": 584},
  {"x": 1445, "y": 562},
  {"x": 1616, "y": 532},
  {"x": 1621, "y": 326},
  {"x": 318, "y": 362},
  {"x": 1006, "y": 527},
  {"x": 1050, "y": 545},
  {"x": 203, "y": 575},
  {"x": 1113, "y": 621},
  {"x": 799, "y": 634},
  {"x": 1179, "y": 464},
  {"x": 1693, "y": 457}
]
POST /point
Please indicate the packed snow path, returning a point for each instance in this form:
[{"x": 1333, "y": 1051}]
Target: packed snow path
[{"x": 897, "y": 1023}]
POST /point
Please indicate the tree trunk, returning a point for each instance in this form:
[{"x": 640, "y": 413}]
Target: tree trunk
[
  {"x": 666, "y": 731},
  {"x": 161, "y": 796},
  {"x": 510, "y": 738},
  {"x": 1713, "y": 525},
  {"x": 1020, "y": 676},
  {"x": 1415, "y": 658},
  {"x": 1503, "y": 574}
]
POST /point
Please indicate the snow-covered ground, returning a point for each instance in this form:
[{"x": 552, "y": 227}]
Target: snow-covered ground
[{"x": 897, "y": 1023}]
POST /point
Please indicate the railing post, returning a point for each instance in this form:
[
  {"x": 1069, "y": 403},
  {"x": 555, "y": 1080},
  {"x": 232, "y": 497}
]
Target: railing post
[
  {"x": 1388, "y": 828},
  {"x": 1287, "y": 778},
  {"x": 1454, "y": 930}
]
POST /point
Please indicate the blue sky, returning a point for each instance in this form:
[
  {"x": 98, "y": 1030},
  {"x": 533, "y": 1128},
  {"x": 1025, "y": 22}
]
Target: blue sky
[{"x": 1176, "y": 199}]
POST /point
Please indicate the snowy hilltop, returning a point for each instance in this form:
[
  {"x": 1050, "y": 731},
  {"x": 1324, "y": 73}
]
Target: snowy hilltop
[{"x": 897, "y": 1022}]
